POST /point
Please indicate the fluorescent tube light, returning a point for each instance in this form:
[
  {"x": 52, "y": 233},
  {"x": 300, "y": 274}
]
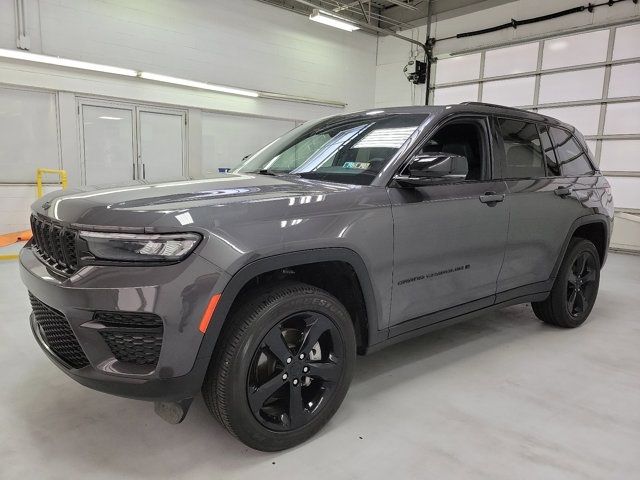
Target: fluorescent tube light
[
  {"x": 327, "y": 18},
  {"x": 65, "y": 62},
  {"x": 191, "y": 83}
]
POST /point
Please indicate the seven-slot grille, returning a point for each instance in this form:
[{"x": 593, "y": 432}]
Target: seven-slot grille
[
  {"x": 56, "y": 245},
  {"x": 57, "y": 334}
]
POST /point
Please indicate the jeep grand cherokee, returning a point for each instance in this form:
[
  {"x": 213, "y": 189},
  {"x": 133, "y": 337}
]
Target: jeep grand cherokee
[{"x": 347, "y": 234}]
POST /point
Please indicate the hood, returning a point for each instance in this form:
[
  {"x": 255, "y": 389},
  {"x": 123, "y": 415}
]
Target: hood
[{"x": 173, "y": 204}]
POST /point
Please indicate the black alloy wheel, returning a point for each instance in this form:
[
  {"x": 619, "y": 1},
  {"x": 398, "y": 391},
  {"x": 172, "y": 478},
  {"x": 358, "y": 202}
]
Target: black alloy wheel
[
  {"x": 581, "y": 287},
  {"x": 283, "y": 365},
  {"x": 295, "y": 370},
  {"x": 575, "y": 288}
]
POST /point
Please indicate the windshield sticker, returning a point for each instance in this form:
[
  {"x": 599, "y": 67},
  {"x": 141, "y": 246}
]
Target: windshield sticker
[{"x": 360, "y": 165}]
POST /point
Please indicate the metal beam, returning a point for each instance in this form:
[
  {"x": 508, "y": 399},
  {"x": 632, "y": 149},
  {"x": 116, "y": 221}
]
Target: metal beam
[
  {"x": 443, "y": 9},
  {"x": 397, "y": 3},
  {"x": 366, "y": 26}
]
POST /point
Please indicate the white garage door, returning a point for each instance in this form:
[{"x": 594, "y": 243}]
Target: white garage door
[{"x": 590, "y": 80}]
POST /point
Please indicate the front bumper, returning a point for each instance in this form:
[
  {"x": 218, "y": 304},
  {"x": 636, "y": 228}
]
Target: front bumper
[{"x": 178, "y": 294}]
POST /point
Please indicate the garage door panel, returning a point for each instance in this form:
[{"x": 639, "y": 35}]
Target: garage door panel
[
  {"x": 575, "y": 49},
  {"x": 28, "y": 133},
  {"x": 627, "y": 42},
  {"x": 571, "y": 86},
  {"x": 625, "y": 80},
  {"x": 620, "y": 155},
  {"x": 457, "y": 69},
  {"x": 622, "y": 118},
  {"x": 227, "y": 139},
  {"x": 510, "y": 60},
  {"x": 584, "y": 118},
  {"x": 626, "y": 191},
  {"x": 514, "y": 92},
  {"x": 462, "y": 93}
]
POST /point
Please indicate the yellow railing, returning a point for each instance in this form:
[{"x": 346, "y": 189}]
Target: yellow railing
[{"x": 40, "y": 172}]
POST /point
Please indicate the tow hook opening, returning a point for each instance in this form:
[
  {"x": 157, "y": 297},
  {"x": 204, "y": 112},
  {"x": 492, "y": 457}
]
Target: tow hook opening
[{"x": 173, "y": 412}]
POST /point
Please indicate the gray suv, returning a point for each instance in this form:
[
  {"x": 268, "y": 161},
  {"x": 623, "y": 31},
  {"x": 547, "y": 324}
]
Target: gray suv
[{"x": 345, "y": 235}]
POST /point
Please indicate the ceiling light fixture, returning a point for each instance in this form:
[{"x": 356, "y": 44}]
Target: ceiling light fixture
[
  {"x": 192, "y": 83},
  {"x": 65, "y": 62},
  {"x": 327, "y": 18}
]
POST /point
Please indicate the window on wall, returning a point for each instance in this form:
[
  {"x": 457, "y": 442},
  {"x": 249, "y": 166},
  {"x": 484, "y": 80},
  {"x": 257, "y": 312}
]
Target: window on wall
[
  {"x": 28, "y": 134},
  {"x": 522, "y": 149},
  {"x": 571, "y": 156}
]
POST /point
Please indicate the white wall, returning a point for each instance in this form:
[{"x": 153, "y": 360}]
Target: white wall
[
  {"x": 393, "y": 89},
  {"x": 241, "y": 43}
]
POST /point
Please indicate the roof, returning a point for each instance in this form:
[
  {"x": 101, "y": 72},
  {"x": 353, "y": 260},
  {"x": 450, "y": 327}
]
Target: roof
[{"x": 469, "y": 107}]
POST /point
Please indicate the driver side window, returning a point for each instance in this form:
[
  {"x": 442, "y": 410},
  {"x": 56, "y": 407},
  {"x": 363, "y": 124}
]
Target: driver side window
[{"x": 462, "y": 138}]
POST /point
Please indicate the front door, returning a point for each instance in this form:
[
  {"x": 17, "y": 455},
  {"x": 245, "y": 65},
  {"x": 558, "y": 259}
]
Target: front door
[{"x": 449, "y": 237}]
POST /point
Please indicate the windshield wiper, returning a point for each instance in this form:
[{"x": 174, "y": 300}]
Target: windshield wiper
[{"x": 266, "y": 171}]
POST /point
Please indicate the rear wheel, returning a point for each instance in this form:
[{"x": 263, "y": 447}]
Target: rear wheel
[
  {"x": 284, "y": 366},
  {"x": 575, "y": 289}
]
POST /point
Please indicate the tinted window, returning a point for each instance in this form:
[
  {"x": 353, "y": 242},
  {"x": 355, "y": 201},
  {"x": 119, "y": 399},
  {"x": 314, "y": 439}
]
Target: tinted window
[
  {"x": 461, "y": 138},
  {"x": 523, "y": 152},
  {"x": 571, "y": 157},
  {"x": 553, "y": 169}
]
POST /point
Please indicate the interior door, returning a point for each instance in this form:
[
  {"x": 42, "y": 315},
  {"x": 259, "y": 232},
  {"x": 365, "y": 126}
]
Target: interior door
[
  {"x": 108, "y": 144},
  {"x": 161, "y": 147},
  {"x": 449, "y": 239}
]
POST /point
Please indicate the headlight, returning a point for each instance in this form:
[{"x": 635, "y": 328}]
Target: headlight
[{"x": 128, "y": 247}]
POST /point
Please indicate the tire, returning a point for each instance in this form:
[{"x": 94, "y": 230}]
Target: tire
[
  {"x": 257, "y": 385},
  {"x": 575, "y": 289}
]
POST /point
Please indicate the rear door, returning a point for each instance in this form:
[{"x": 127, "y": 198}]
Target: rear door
[
  {"x": 449, "y": 240},
  {"x": 544, "y": 201}
]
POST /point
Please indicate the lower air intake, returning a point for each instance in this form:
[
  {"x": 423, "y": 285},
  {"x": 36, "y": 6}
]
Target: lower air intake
[{"x": 57, "y": 334}]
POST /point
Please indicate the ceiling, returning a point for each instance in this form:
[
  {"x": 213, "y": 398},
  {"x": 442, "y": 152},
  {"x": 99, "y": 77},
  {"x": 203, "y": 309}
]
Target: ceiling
[{"x": 393, "y": 15}]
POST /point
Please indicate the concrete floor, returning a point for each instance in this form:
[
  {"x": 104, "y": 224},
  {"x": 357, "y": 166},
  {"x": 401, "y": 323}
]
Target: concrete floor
[{"x": 499, "y": 397}]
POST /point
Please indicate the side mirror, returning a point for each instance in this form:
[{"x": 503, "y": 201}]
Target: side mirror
[{"x": 424, "y": 169}]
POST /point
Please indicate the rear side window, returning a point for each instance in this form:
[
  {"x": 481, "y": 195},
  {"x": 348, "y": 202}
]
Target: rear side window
[
  {"x": 522, "y": 149},
  {"x": 553, "y": 169},
  {"x": 571, "y": 158}
]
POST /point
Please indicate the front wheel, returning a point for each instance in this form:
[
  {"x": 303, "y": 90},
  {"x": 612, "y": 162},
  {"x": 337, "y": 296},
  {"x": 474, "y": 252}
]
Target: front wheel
[
  {"x": 283, "y": 367},
  {"x": 575, "y": 289}
]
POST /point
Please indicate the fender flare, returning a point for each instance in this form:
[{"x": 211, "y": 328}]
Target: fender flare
[
  {"x": 285, "y": 260},
  {"x": 577, "y": 223}
]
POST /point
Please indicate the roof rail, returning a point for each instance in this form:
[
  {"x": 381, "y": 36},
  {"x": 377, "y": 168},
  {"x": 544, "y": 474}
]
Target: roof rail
[{"x": 495, "y": 105}]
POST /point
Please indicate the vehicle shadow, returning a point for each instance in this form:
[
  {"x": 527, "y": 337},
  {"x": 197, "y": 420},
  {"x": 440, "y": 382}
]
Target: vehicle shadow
[{"x": 64, "y": 424}]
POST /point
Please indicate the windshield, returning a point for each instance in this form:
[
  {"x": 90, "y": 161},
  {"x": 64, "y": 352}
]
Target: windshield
[{"x": 338, "y": 149}]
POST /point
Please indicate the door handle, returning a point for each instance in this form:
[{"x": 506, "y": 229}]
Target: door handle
[
  {"x": 563, "y": 191},
  {"x": 491, "y": 198}
]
